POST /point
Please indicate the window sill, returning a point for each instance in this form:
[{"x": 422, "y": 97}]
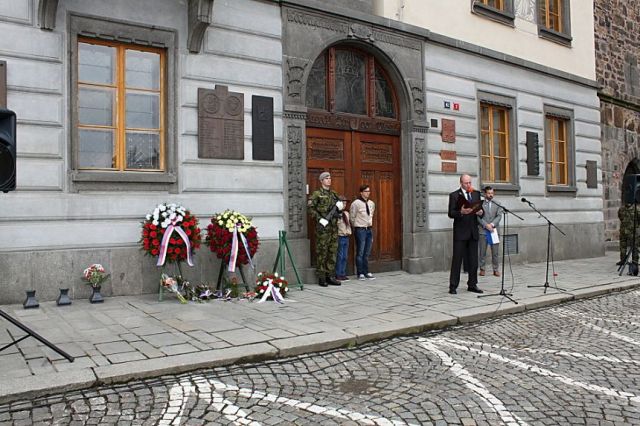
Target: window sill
[
  {"x": 113, "y": 181},
  {"x": 556, "y": 37},
  {"x": 503, "y": 188},
  {"x": 562, "y": 189},
  {"x": 494, "y": 14}
]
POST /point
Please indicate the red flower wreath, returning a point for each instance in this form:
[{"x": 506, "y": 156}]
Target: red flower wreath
[
  {"x": 262, "y": 284},
  {"x": 220, "y": 236},
  {"x": 155, "y": 225}
]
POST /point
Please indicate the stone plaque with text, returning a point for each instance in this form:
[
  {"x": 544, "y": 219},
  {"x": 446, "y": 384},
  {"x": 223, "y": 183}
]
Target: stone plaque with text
[
  {"x": 220, "y": 123},
  {"x": 262, "y": 127}
]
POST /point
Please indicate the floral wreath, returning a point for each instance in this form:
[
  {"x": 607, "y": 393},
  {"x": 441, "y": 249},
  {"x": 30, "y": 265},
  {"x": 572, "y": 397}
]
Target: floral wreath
[
  {"x": 277, "y": 282},
  {"x": 220, "y": 236},
  {"x": 182, "y": 227}
]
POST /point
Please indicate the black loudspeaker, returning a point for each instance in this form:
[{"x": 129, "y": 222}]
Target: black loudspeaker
[
  {"x": 7, "y": 150},
  {"x": 631, "y": 189}
]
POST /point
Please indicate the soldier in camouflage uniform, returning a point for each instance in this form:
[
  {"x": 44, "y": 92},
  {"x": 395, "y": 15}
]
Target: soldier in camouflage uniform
[
  {"x": 325, "y": 207},
  {"x": 625, "y": 214}
]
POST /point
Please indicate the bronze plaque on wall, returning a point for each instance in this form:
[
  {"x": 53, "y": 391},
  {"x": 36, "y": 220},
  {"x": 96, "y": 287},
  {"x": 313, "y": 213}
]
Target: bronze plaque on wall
[
  {"x": 448, "y": 130},
  {"x": 220, "y": 123}
]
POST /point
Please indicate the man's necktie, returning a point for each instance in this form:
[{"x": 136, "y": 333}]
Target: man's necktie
[{"x": 468, "y": 196}]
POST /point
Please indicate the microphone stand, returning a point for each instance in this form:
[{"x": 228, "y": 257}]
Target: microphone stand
[
  {"x": 504, "y": 232},
  {"x": 549, "y": 225}
]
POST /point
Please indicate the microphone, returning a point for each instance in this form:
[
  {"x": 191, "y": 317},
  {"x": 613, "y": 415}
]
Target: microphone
[{"x": 524, "y": 200}]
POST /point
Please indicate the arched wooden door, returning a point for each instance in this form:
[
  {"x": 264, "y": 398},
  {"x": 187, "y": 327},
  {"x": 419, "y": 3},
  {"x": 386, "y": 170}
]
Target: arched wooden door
[
  {"x": 354, "y": 132},
  {"x": 355, "y": 158}
]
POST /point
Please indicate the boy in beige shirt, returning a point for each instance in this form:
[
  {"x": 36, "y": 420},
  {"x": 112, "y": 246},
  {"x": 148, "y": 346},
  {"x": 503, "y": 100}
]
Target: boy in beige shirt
[{"x": 362, "y": 220}]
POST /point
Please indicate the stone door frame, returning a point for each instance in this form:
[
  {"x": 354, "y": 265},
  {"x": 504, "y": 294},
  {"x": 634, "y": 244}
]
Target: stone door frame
[{"x": 306, "y": 34}]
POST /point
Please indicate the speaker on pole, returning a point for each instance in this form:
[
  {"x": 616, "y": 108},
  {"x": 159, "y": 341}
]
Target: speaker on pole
[
  {"x": 7, "y": 150},
  {"x": 631, "y": 189}
]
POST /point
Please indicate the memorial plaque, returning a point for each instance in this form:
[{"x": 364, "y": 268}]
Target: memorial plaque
[
  {"x": 448, "y": 155},
  {"x": 533, "y": 159},
  {"x": 448, "y": 130},
  {"x": 262, "y": 125},
  {"x": 220, "y": 123},
  {"x": 448, "y": 167}
]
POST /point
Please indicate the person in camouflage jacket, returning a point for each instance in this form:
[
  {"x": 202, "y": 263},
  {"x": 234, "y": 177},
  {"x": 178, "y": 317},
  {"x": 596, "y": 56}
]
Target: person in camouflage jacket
[
  {"x": 325, "y": 207},
  {"x": 625, "y": 214}
]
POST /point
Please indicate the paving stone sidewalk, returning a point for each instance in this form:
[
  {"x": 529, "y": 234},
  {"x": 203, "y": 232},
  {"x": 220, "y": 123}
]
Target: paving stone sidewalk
[{"x": 137, "y": 337}]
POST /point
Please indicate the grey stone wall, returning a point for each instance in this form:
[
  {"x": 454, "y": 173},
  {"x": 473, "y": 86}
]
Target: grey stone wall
[
  {"x": 456, "y": 77},
  {"x": 617, "y": 25},
  {"x": 132, "y": 272}
]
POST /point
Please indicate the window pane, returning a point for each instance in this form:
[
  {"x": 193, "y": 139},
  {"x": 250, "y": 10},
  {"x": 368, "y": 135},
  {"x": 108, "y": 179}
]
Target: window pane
[
  {"x": 500, "y": 121},
  {"x": 496, "y": 143},
  {"x": 485, "y": 145},
  {"x": 562, "y": 169},
  {"x": 350, "y": 82},
  {"x": 500, "y": 168},
  {"x": 143, "y": 150},
  {"x": 95, "y": 106},
  {"x": 484, "y": 120},
  {"x": 317, "y": 84},
  {"x": 143, "y": 70},
  {"x": 503, "y": 151},
  {"x": 486, "y": 169},
  {"x": 384, "y": 96},
  {"x": 96, "y": 64},
  {"x": 561, "y": 153},
  {"x": 143, "y": 110},
  {"x": 96, "y": 149}
]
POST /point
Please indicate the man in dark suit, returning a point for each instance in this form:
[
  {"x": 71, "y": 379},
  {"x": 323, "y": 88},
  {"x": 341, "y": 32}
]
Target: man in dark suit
[{"x": 465, "y": 235}]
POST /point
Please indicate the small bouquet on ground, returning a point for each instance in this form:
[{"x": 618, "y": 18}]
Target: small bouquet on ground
[
  {"x": 233, "y": 238},
  {"x": 95, "y": 275},
  {"x": 171, "y": 284},
  {"x": 270, "y": 285},
  {"x": 197, "y": 293},
  {"x": 171, "y": 233}
]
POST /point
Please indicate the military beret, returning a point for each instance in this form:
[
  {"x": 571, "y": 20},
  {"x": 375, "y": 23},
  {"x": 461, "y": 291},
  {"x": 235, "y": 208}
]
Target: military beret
[{"x": 324, "y": 175}]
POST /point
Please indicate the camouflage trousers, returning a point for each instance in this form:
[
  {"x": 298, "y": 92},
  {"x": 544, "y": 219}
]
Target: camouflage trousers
[
  {"x": 326, "y": 250},
  {"x": 626, "y": 240}
]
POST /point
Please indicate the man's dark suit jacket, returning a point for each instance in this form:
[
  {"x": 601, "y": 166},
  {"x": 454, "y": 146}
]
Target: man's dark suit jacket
[{"x": 465, "y": 227}]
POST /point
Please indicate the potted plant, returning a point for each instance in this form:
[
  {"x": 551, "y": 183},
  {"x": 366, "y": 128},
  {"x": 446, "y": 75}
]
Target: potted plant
[{"x": 95, "y": 275}]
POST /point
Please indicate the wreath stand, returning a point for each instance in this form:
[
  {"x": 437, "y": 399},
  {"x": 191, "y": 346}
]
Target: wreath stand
[
  {"x": 279, "y": 264},
  {"x": 161, "y": 289},
  {"x": 223, "y": 267}
]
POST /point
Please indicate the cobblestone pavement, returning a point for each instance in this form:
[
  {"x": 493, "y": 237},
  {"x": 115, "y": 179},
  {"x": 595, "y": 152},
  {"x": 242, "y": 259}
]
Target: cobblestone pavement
[{"x": 577, "y": 363}]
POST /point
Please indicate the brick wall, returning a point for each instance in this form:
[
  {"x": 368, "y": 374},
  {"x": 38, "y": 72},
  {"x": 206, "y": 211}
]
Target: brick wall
[{"x": 617, "y": 25}]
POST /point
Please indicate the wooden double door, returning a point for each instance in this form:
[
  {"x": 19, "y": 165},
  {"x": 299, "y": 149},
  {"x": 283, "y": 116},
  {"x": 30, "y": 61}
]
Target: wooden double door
[{"x": 356, "y": 158}]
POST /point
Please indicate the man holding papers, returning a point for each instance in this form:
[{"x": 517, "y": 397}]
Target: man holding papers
[
  {"x": 489, "y": 232},
  {"x": 464, "y": 206}
]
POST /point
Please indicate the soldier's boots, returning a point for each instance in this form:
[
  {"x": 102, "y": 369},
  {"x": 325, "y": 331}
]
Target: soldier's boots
[
  {"x": 332, "y": 281},
  {"x": 322, "y": 282}
]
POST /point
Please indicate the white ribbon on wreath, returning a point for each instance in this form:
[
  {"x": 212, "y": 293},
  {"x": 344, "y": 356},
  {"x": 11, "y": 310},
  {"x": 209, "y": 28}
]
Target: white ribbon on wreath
[
  {"x": 234, "y": 249},
  {"x": 272, "y": 291}
]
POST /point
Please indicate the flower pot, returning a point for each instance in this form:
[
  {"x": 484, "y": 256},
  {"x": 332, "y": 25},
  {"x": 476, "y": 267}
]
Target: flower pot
[
  {"x": 96, "y": 296},
  {"x": 63, "y": 298},
  {"x": 31, "y": 301}
]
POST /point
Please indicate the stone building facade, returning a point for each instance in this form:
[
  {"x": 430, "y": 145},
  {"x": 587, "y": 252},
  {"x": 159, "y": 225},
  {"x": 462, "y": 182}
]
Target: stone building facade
[
  {"x": 617, "y": 24},
  {"x": 413, "y": 121}
]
